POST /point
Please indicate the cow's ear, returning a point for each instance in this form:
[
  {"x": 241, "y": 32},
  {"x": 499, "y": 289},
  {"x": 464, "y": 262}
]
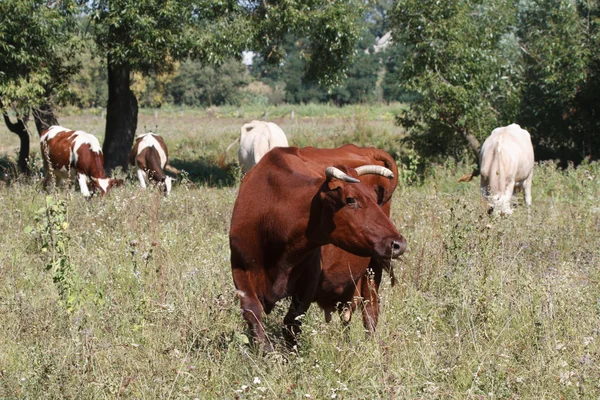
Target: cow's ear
[
  {"x": 333, "y": 184},
  {"x": 381, "y": 194},
  {"x": 116, "y": 182},
  {"x": 332, "y": 194}
]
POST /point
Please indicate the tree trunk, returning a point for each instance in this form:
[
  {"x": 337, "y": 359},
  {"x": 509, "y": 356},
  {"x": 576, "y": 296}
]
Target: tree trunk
[
  {"x": 20, "y": 129},
  {"x": 44, "y": 117},
  {"x": 474, "y": 144},
  {"x": 121, "y": 118},
  {"x": 476, "y": 148}
]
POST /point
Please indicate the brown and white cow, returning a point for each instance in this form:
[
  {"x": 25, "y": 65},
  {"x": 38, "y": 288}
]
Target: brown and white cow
[
  {"x": 284, "y": 214},
  {"x": 150, "y": 156},
  {"x": 506, "y": 162},
  {"x": 76, "y": 152}
]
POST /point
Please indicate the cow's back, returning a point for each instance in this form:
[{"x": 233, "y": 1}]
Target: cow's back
[
  {"x": 149, "y": 140},
  {"x": 257, "y": 138},
  {"x": 507, "y": 161},
  {"x": 62, "y": 147},
  {"x": 508, "y": 148},
  {"x": 277, "y": 137}
]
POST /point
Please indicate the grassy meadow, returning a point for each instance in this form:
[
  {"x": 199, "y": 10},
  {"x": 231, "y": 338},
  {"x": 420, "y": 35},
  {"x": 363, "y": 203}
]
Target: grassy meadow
[{"x": 131, "y": 296}]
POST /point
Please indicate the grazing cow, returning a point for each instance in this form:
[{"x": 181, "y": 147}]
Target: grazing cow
[
  {"x": 282, "y": 216},
  {"x": 256, "y": 139},
  {"x": 506, "y": 162},
  {"x": 150, "y": 156},
  {"x": 65, "y": 150}
]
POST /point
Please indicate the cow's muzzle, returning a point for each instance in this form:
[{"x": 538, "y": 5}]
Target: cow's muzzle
[{"x": 398, "y": 247}]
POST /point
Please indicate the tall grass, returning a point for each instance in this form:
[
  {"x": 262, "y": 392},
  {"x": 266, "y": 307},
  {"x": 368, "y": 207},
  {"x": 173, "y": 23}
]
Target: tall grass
[{"x": 484, "y": 308}]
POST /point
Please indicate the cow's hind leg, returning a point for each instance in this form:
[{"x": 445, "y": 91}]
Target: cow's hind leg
[
  {"x": 527, "y": 189},
  {"x": 47, "y": 182},
  {"x": 82, "y": 179},
  {"x": 252, "y": 309}
]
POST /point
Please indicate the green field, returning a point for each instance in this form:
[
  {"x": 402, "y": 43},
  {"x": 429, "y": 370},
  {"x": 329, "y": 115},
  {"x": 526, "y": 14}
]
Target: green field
[{"x": 131, "y": 295}]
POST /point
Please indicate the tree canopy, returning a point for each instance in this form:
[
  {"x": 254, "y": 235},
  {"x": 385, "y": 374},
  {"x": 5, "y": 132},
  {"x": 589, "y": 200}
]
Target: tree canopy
[
  {"x": 37, "y": 45},
  {"x": 476, "y": 65},
  {"x": 151, "y": 35}
]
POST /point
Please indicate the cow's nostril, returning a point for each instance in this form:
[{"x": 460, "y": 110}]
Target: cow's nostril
[{"x": 398, "y": 247}]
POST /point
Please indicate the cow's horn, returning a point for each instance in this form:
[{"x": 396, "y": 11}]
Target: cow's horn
[
  {"x": 374, "y": 169},
  {"x": 333, "y": 172}
]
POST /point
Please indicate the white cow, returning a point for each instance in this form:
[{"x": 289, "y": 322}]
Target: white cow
[
  {"x": 257, "y": 139},
  {"x": 506, "y": 162}
]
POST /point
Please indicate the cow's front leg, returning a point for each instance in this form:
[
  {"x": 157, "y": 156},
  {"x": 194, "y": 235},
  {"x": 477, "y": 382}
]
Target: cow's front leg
[
  {"x": 252, "y": 309},
  {"x": 141, "y": 177},
  {"x": 370, "y": 295},
  {"x": 527, "y": 189},
  {"x": 303, "y": 294},
  {"x": 82, "y": 179},
  {"x": 506, "y": 197}
]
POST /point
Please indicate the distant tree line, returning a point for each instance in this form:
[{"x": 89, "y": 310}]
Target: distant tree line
[{"x": 268, "y": 81}]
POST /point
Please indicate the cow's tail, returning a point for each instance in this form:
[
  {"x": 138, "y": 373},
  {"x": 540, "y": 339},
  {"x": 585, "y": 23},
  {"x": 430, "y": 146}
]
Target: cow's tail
[
  {"x": 469, "y": 177},
  {"x": 221, "y": 161},
  {"x": 172, "y": 170},
  {"x": 500, "y": 169}
]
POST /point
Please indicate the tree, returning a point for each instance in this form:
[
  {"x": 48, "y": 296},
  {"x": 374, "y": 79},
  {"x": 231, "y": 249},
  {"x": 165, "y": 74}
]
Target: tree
[
  {"x": 150, "y": 35},
  {"x": 561, "y": 106},
  {"x": 299, "y": 88},
  {"x": 361, "y": 78},
  {"x": 391, "y": 86},
  {"x": 463, "y": 64},
  {"x": 360, "y": 82},
  {"x": 198, "y": 85},
  {"x": 36, "y": 45},
  {"x": 88, "y": 87},
  {"x": 477, "y": 65}
]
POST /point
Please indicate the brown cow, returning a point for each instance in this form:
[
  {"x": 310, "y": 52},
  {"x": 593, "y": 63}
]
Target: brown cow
[
  {"x": 284, "y": 213},
  {"x": 343, "y": 284},
  {"x": 65, "y": 150},
  {"x": 150, "y": 155}
]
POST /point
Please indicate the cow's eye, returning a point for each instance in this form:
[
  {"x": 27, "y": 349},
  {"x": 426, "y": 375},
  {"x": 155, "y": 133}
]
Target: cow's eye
[{"x": 350, "y": 201}]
